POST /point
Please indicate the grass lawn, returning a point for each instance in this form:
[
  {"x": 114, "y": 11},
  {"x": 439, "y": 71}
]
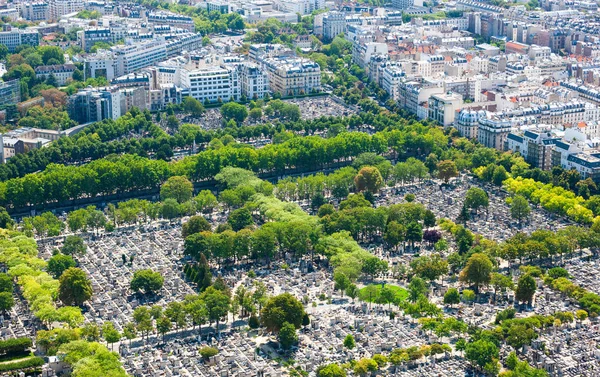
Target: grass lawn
[{"x": 371, "y": 292}]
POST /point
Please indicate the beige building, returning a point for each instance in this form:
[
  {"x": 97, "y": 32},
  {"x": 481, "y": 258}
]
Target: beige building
[{"x": 293, "y": 76}]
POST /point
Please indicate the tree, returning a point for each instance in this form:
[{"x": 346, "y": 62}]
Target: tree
[
  {"x": 394, "y": 233},
  {"x": 73, "y": 245},
  {"x": 368, "y": 178},
  {"x": 147, "y": 281},
  {"x": 468, "y": 295},
  {"x": 240, "y": 218},
  {"x": 349, "y": 342},
  {"x": 331, "y": 370},
  {"x": 341, "y": 281},
  {"x": 500, "y": 175},
  {"x": 163, "y": 325},
  {"x": 352, "y": 291},
  {"x": 90, "y": 332},
  {"x": 3, "y": 52},
  {"x": 519, "y": 208},
  {"x": 178, "y": 188},
  {"x": 59, "y": 263},
  {"x": 526, "y": 287},
  {"x": 110, "y": 334},
  {"x": 476, "y": 198},
  {"x": 74, "y": 287},
  {"x": 482, "y": 352},
  {"x": 429, "y": 219},
  {"x": 256, "y": 113},
  {"x": 195, "y": 224},
  {"x": 374, "y": 266},
  {"x": 414, "y": 233},
  {"x": 416, "y": 288},
  {"x": 464, "y": 215},
  {"x": 235, "y": 111},
  {"x": 143, "y": 319},
  {"x": 172, "y": 122},
  {"x": 129, "y": 331},
  {"x": 451, "y": 297},
  {"x": 206, "y": 201},
  {"x": 287, "y": 336},
  {"x": 6, "y": 301},
  {"x": 430, "y": 268},
  {"x": 6, "y": 222},
  {"x": 78, "y": 75},
  {"x": 170, "y": 209},
  {"x": 51, "y": 53},
  {"x": 477, "y": 271},
  {"x": 217, "y": 304},
  {"x": 6, "y": 283},
  {"x": 280, "y": 309},
  {"x": 446, "y": 170},
  {"x": 305, "y": 320},
  {"x": 192, "y": 106},
  {"x": 500, "y": 283}
]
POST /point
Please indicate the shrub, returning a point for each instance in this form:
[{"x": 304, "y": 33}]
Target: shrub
[
  {"x": 208, "y": 352},
  {"x": 22, "y": 364},
  {"x": 16, "y": 345}
]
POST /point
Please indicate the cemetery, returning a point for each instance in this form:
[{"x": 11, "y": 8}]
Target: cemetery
[{"x": 399, "y": 320}]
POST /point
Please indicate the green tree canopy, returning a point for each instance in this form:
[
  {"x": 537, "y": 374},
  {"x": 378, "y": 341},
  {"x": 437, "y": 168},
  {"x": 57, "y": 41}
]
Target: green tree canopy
[
  {"x": 74, "y": 287},
  {"x": 280, "y": 309},
  {"x": 146, "y": 281}
]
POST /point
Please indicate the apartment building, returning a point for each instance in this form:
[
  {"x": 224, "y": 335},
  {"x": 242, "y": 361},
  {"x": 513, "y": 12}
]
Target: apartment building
[
  {"x": 391, "y": 77},
  {"x": 212, "y": 83},
  {"x": 62, "y": 72},
  {"x": 254, "y": 81},
  {"x": 168, "y": 18},
  {"x": 12, "y": 37},
  {"x": 95, "y": 104},
  {"x": 292, "y": 76},
  {"x": 443, "y": 107},
  {"x": 535, "y": 147},
  {"x": 10, "y": 93},
  {"x": 493, "y": 131},
  {"x": 59, "y": 8},
  {"x": 35, "y": 11},
  {"x": 334, "y": 24}
]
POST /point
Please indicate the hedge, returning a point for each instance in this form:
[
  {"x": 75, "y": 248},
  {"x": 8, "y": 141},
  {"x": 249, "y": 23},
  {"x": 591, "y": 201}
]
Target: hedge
[
  {"x": 15, "y": 345},
  {"x": 23, "y": 364}
]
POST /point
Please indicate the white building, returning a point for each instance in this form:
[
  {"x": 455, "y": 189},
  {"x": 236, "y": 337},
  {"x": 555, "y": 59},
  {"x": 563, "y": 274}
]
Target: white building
[
  {"x": 255, "y": 82},
  {"x": 334, "y": 24},
  {"x": 391, "y": 77},
  {"x": 212, "y": 84},
  {"x": 59, "y": 8},
  {"x": 62, "y": 72}
]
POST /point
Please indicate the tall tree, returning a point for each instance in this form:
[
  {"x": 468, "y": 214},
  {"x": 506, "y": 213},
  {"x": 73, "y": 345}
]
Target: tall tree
[
  {"x": 477, "y": 270},
  {"x": 280, "y": 309},
  {"x": 519, "y": 208},
  {"x": 446, "y": 170},
  {"x": 368, "y": 178},
  {"x": 476, "y": 198},
  {"x": 178, "y": 188},
  {"x": 526, "y": 288},
  {"x": 74, "y": 287}
]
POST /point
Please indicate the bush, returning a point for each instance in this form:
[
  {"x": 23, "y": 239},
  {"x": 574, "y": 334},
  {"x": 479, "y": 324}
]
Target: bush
[
  {"x": 23, "y": 364},
  {"x": 253, "y": 322},
  {"x": 505, "y": 314},
  {"x": 16, "y": 345},
  {"x": 208, "y": 352}
]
